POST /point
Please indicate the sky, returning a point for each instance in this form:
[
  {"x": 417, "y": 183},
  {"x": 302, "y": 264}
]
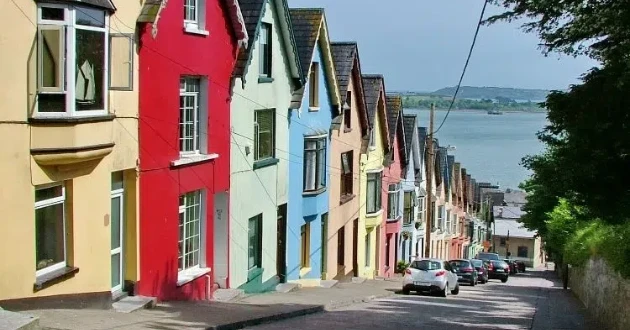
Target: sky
[{"x": 421, "y": 45}]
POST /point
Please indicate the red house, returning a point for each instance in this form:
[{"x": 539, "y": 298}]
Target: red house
[{"x": 187, "y": 51}]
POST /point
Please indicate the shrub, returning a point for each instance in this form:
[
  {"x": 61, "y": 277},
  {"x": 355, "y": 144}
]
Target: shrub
[{"x": 401, "y": 266}]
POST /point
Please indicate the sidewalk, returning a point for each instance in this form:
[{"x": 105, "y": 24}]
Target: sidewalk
[{"x": 248, "y": 311}]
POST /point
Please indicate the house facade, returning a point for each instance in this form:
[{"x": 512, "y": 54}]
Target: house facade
[
  {"x": 309, "y": 145},
  {"x": 70, "y": 199},
  {"x": 265, "y": 77},
  {"x": 510, "y": 236},
  {"x": 410, "y": 243},
  {"x": 373, "y": 190},
  {"x": 421, "y": 183},
  {"x": 393, "y": 174},
  {"x": 187, "y": 53},
  {"x": 349, "y": 129}
]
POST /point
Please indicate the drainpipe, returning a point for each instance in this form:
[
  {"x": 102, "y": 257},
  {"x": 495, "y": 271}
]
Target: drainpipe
[{"x": 208, "y": 287}]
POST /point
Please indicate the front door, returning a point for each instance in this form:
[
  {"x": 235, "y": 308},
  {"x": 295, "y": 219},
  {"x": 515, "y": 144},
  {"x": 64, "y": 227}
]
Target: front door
[
  {"x": 117, "y": 234},
  {"x": 355, "y": 247},
  {"x": 281, "y": 249}
]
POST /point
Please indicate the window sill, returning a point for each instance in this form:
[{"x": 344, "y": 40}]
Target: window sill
[
  {"x": 313, "y": 109},
  {"x": 304, "y": 271},
  {"x": 46, "y": 280},
  {"x": 375, "y": 214},
  {"x": 189, "y": 275},
  {"x": 265, "y": 80},
  {"x": 372, "y": 148},
  {"x": 254, "y": 272},
  {"x": 347, "y": 130},
  {"x": 314, "y": 192},
  {"x": 394, "y": 219},
  {"x": 71, "y": 120},
  {"x": 346, "y": 198},
  {"x": 265, "y": 163},
  {"x": 193, "y": 159},
  {"x": 195, "y": 30}
]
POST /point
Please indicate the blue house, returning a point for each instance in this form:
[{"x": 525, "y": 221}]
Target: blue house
[{"x": 310, "y": 119}]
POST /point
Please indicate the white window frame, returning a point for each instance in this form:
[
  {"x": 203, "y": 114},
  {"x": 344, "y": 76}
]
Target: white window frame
[
  {"x": 421, "y": 207},
  {"x": 195, "y": 24},
  {"x": 200, "y": 117},
  {"x": 69, "y": 26},
  {"x": 201, "y": 239},
  {"x": 50, "y": 202},
  {"x": 393, "y": 209},
  {"x": 266, "y": 32},
  {"x": 372, "y": 143},
  {"x": 440, "y": 216},
  {"x": 319, "y": 168}
]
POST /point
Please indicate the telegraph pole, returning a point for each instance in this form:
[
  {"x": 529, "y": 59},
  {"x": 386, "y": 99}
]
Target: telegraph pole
[{"x": 429, "y": 199}]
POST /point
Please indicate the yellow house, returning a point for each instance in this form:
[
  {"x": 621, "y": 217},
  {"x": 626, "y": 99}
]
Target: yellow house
[
  {"x": 68, "y": 119},
  {"x": 371, "y": 229}
]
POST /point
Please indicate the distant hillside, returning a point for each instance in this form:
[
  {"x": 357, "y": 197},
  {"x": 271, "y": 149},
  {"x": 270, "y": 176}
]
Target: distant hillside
[{"x": 470, "y": 92}]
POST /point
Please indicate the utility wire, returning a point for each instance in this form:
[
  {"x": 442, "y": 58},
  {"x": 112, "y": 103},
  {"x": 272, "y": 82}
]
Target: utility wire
[{"x": 461, "y": 78}]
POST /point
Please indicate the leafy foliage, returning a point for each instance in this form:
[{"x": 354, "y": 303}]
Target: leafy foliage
[{"x": 424, "y": 102}]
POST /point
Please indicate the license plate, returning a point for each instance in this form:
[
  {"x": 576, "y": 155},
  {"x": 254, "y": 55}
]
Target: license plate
[
  {"x": 421, "y": 283},
  {"x": 459, "y": 277},
  {"x": 499, "y": 270}
]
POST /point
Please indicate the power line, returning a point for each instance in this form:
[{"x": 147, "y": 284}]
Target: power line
[{"x": 461, "y": 78}]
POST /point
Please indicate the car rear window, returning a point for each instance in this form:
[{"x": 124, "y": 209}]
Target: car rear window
[
  {"x": 488, "y": 256},
  {"x": 459, "y": 263},
  {"x": 425, "y": 265},
  {"x": 499, "y": 264},
  {"x": 477, "y": 263}
]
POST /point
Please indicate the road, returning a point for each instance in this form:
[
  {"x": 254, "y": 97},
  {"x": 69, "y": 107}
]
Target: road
[{"x": 532, "y": 300}]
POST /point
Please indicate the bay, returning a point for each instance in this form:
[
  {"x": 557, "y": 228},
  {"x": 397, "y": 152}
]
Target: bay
[{"x": 490, "y": 147}]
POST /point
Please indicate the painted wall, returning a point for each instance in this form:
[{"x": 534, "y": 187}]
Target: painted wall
[
  {"x": 308, "y": 207},
  {"x": 409, "y": 184},
  {"x": 258, "y": 191},
  {"x": 533, "y": 249},
  {"x": 343, "y": 215},
  {"x": 393, "y": 175},
  {"x": 88, "y": 184},
  {"x": 372, "y": 224},
  {"x": 163, "y": 61}
]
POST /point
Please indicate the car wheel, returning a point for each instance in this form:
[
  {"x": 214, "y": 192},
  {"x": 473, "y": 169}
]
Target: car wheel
[
  {"x": 504, "y": 279},
  {"x": 444, "y": 292},
  {"x": 405, "y": 291},
  {"x": 456, "y": 290}
]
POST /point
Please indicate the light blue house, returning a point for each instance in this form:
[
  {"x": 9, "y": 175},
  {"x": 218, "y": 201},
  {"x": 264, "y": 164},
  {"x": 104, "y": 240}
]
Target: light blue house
[{"x": 310, "y": 120}]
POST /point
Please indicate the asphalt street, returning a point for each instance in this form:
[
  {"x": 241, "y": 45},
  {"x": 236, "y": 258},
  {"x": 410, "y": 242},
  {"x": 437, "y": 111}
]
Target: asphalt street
[{"x": 532, "y": 300}]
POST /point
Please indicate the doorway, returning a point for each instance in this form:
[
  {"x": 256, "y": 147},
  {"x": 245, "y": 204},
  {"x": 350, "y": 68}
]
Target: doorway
[
  {"x": 355, "y": 247},
  {"x": 341, "y": 251},
  {"x": 117, "y": 223},
  {"x": 281, "y": 249}
]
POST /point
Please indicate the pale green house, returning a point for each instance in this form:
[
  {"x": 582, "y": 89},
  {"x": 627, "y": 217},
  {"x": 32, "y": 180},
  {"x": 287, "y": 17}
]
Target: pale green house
[{"x": 266, "y": 75}]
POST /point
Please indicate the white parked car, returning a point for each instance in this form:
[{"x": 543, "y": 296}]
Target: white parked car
[{"x": 430, "y": 275}]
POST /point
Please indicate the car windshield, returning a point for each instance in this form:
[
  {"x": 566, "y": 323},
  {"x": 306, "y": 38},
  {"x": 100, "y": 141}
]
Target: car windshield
[
  {"x": 459, "y": 263},
  {"x": 425, "y": 265},
  {"x": 477, "y": 263},
  {"x": 488, "y": 256}
]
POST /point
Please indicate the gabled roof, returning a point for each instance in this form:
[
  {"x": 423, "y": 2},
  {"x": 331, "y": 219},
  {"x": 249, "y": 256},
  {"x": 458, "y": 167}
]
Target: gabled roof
[
  {"x": 422, "y": 141},
  {"x": 253, "y": 11},
  {"x": 309, "y": 30},
  {"x": 395, "y": 124},
  {"x": 374, "y": 87},
  {"x": 151, "y": 9},
  {"x": 348, "y": 68},
  {"x": 409, "y": 122}
]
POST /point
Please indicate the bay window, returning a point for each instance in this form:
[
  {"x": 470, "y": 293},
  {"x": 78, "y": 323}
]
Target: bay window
[
  {"x": 393, "y": 200},
  {"x": 72, "y": 61},
  {"x": 314, "y": 163}
]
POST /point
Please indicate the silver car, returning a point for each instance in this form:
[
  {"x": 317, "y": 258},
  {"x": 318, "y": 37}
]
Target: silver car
[{"x": 430, "y": 275}]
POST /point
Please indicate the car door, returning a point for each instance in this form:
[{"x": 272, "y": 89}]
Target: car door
[{"x": 451, "y": 276}]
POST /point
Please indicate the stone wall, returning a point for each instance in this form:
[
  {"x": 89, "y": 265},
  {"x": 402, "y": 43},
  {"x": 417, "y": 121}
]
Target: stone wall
[{"x": 604, "y": 292}]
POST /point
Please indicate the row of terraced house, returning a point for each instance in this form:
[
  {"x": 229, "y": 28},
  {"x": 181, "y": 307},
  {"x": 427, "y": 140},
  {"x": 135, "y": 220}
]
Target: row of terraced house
[{"x": 174, "y": 148}]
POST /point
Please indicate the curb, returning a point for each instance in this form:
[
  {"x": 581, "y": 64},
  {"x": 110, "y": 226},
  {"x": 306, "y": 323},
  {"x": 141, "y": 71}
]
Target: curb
[
  {"x": 267, "y": 319},
  {"x": 296, "y": 313}
]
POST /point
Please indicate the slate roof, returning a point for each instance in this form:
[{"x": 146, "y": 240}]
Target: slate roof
[
  {"x": 422, "y": 139},
  {"x": 394, "y": 108},
  {"x": 306, "y": 23},
  {"x": 450, "y": 162},
  {"x": 409, "y": 122},
  {"x": 345, "y": 55},
  {"x": 252, "y": 10},
  {"x": 507, "y": 212},
  {"x": 516, "y": 229},
  {"x": 515, "y": 197},
  {"x": 372, "y": 86}
]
